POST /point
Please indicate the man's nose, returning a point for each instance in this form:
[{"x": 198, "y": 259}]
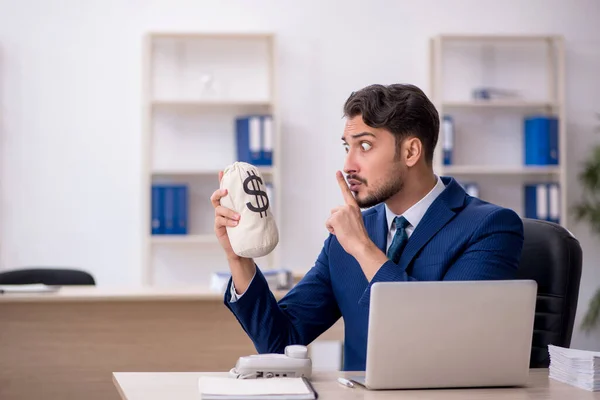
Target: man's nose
[{"x": 350, "y": 164}]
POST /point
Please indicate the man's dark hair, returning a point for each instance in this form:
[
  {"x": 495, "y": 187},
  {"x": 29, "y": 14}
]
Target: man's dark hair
[{"x": 402, "y": 109}]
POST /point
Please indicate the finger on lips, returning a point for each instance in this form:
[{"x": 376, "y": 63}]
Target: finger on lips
[{"x": 346, "y": 193}]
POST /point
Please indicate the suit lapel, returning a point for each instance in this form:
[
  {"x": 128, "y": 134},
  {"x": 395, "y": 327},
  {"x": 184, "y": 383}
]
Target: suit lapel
[
  {"x": 441, "y": 211},
  {"x": 376, "y": 225}
]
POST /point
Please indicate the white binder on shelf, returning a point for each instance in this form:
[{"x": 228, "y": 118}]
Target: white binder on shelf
[
  {"x": 267, "y": 140},
  {"x": 542, "y": 201},
  {"x": 554, "y": 203}
]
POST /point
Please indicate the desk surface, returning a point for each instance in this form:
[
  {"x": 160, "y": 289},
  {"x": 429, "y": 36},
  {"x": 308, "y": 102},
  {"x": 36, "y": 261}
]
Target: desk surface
[
  {"x": 184, "y": 386},
  {"x": 95, "y": 293}
]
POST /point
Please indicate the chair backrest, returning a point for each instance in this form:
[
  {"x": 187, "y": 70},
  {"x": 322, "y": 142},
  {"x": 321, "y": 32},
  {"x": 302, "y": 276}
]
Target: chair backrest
[
  {"x": 552, "y": 257},
  {"x": 47, "y": 276}
]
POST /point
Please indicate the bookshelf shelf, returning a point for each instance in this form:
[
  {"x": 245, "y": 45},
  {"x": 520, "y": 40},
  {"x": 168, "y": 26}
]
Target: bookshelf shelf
[
  {"x": 211, "y": 172},
  {"x": 184, "y": 239},
  {"x": 500, "y": 170},
  {"x": 516, "y": 104},
  {"x": 212, "y": 35},
  {"x": 487, "y": 89},
  {"x": 196, "y": 87},
  {"x": 186, "y": 104},
  {"x": 496, "y": 38}
]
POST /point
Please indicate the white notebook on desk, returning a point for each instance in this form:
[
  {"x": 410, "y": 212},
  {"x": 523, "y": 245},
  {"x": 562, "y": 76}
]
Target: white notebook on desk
[
  {"x": 28, "y": 288},
  {"x": 222, "y": 388}
]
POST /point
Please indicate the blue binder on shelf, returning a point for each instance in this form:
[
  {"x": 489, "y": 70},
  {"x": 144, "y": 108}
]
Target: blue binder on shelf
[
  {"x": 169, "y": 209},
  {"x": 254, "y": 139},
  {"x": 157, "y": 216},
  {"x": 542, "y": 201},
  {"x": 248, "y": 141},
  {"x": 448, "y": 139},
  {"x": 181, "y": 209},
  {"x": 541, "y": 140}
]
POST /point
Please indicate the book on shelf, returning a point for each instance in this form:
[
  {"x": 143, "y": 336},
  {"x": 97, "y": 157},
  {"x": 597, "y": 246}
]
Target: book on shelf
[
  {"x": 540, "y": 136},
  {"x": 542, "y": 201},
  {"x": 169, "y": 209},
  {"x": 255, "y": 139},
  {"x": 493, "y": 93}
]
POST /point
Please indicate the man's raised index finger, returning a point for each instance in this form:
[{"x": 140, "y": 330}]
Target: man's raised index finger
[{"x": 348, "y": 197}]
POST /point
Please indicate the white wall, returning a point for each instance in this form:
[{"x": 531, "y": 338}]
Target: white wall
[{"x": 70, "y": 109}]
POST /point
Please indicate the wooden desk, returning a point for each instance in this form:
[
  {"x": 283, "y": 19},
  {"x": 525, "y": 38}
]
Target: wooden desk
[
  {"x": 184, "y": 386},
  {"x": 67, "y": 344}
]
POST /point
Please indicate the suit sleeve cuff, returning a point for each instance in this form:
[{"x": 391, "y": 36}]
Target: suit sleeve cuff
[
  {"x": 234, "y": 296},
  {"x": 258, "y": 287},
  {"x": 388, "y": 272}
]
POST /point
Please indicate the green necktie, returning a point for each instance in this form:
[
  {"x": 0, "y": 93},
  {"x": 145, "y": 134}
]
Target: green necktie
[{"x": 399, "y": 241}]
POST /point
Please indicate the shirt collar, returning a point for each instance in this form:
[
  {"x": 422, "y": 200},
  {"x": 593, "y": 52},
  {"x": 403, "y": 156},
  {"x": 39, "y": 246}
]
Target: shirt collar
[{"x": 415, "y": 213}]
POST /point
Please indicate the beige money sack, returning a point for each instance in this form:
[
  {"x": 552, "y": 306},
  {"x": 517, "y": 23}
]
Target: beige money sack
[{"x": 256, "y": 235}]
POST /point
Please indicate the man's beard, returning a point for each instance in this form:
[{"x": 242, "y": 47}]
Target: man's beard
[{"x": 389, "y": 189}]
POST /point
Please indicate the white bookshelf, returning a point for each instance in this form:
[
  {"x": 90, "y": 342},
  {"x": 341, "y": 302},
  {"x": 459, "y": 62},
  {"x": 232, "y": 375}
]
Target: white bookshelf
[
  {"x": 498, "y": 104},
  {"x": 264, "y": 171},
  {"x": 194, "y": 104},
  {"x": 194, "y": 87},
  {"x": 488, "y": 133},
  {"x": 484, "y": 170},
  {"x": 184, "y": 239}
]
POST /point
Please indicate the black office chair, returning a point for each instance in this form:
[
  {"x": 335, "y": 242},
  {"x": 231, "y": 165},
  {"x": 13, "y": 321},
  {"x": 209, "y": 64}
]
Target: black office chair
[
  {"x": 47, "y": 276},
  {"x": 552, "y": 257}
]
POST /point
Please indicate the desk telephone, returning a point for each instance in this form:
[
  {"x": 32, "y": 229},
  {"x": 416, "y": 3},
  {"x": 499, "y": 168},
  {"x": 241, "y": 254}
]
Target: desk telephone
[{"x": 295, "y": 363}]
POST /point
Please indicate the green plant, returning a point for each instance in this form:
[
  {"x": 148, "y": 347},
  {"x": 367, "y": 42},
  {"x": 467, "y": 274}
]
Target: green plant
[{"x": 588, "y": 209}]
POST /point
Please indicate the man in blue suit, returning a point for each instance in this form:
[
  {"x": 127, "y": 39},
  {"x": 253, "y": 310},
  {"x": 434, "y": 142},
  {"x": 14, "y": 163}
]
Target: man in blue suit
[{"x": 418, "y": 227}]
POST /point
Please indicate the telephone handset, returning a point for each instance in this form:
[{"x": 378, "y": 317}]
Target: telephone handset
[{"x": 295, "y": 363}]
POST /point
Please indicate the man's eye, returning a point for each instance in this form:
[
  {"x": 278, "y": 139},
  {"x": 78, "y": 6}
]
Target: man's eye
[
  {"x": 365, "y": 146},
  {"x": 346, "y": 147}
]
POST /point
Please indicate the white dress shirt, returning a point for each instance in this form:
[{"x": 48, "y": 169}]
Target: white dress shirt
[{"x": 413, "y": 215}]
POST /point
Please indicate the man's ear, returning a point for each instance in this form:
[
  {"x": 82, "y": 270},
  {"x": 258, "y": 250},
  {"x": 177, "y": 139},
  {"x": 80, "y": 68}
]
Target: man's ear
[{"x": 412, "y": 150}]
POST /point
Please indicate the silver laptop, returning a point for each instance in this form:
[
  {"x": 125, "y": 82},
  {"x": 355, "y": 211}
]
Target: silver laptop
[{"x": 449, "y": 334}]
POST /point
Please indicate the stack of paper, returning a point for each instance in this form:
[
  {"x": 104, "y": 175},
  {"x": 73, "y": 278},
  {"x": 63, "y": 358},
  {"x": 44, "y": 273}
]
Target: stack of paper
[
  {"x": 579, "y": 368},
  {"x": 222, "y": 388}
]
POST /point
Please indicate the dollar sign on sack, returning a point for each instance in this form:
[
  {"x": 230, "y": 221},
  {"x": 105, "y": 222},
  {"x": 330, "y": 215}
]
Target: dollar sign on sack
[{"x": 262, "y": 201}]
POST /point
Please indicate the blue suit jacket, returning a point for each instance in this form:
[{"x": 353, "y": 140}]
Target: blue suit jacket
[{"x": 459, "y": 238}]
